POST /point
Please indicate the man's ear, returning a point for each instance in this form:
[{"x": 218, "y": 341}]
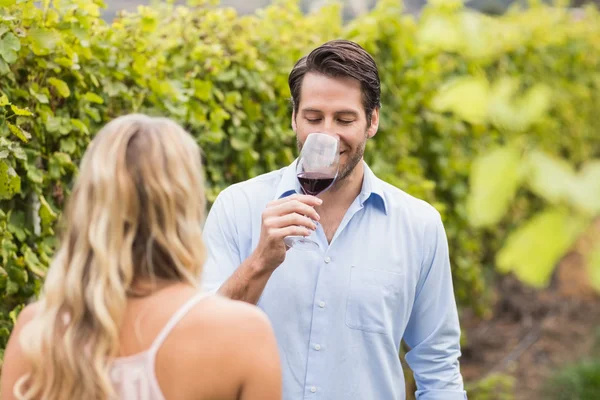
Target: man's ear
[{"x": 372, "y": 129}]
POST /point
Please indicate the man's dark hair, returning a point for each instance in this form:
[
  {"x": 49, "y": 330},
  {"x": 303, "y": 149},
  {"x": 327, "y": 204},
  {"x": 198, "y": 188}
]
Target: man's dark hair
[{"x": 335, "y": 59}]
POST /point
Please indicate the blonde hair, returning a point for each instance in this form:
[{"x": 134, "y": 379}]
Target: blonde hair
[{"x": 135, "y": 215}]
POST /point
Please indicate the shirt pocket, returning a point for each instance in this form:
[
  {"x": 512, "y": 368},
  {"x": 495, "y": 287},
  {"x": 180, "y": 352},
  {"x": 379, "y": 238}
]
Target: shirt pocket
[{"x": 373, "y": 297}]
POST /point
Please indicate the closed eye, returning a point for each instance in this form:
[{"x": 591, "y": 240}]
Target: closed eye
[
  {"x": 345, "y": 122},
  {"x": 314, "y": 120}
]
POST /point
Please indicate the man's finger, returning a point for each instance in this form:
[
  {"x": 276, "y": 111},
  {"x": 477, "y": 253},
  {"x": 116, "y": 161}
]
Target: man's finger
[{"x": 304, "y": 198}]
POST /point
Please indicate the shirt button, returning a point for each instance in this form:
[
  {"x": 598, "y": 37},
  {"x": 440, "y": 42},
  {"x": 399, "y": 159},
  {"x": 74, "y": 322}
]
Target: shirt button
[
  {"x": 321, "y": 304},
  {"x": 317, "y": 347},
  {"x": 313, "y": 389},
  {"x": 327, "y": 260}
]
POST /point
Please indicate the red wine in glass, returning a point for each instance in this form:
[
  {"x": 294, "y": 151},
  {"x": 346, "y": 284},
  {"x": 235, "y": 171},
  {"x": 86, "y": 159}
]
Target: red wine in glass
[
  {"x": 314, "y": 183},
  {"x": 316, "y": 169}
]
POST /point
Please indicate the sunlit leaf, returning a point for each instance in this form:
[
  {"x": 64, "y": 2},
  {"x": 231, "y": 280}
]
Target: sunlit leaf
[
  {"x": 550, "y": 177},
  {"x": 517, "y": 112},
  {"x": 4, "y": 69},
  {"x": 80, "y": 126},
  {"x": 43, "y": 41},
  {"x": 93, "y": 98},
  {"x": 467, "y": 97},
  {"x": 10, "y": 183},
  {"x": 33, "y": 263},
  {"x": 41, "y": 97},
  {"x": 439, "y": 33},
  {"x": 20, "y": 111},
  {"x": 47, "y": 214},
  {"x": 15, "y": 312},
  {"x": 533, "y": 250},
  {"x": 18, "y": 132},
  {"x": 9, "y": 46},
  {"x": 494, "y": 180},
  {"x": 60, "y": 86},
  {"x": 585, "y": 190},
  {"x": 68, "y": 146}
]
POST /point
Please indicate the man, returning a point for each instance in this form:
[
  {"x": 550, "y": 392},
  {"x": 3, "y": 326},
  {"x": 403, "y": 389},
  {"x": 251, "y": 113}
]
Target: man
[{"x": 382, "y": 273}]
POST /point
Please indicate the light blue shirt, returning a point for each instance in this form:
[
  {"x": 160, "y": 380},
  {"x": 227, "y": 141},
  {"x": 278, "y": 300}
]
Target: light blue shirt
[{"x": 339, "y": 314}]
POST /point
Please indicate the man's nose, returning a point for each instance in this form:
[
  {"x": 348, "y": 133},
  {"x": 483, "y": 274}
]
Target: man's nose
[{"x": 330, "y": 129}]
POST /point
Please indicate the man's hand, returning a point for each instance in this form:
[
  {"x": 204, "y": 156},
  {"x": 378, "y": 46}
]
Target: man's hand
[{"x": 290, "y": 216}]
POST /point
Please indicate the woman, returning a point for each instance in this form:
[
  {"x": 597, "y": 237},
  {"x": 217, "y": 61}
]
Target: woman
[{"x": 120, "y": 316}]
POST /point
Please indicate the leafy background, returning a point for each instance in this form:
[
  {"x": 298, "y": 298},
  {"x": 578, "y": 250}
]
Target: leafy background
[{"x": 490, "y": 119}]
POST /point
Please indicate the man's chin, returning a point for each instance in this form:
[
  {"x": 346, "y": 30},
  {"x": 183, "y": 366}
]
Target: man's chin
[{"x": 347, "y": 170}]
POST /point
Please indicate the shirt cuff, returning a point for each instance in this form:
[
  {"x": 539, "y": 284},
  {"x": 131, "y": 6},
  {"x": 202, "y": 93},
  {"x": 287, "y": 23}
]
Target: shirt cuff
[{"x": 434, "y": 394}]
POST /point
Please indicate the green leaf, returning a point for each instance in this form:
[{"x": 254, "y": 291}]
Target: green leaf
[
  {"x": 4, "y": 100},
  {"x": 494, "y": 180},
  {"x": 52, "y": 123},
  {"x": 585, "y": 191},
  {"x": 550, "y": 177},
  {"x": 467, "y": 97},
  {"x": 15, "y": 312},
  {"x": 63, "y": 159},
  {"x": 21, "y": 111},
  {"x": 6, "y": 3},
  {"x": 8, "y": 248},
  {"x": 19, "y": 153},
  {"x": 10, "y": 183},
  {"x": 17, "y": 272},
  {"x": 43, "y": 41},
  {"x": 9, "y": 46},
  {"x": 18, "y": 132},
  {"x": 238, "y": 144},
  {"x": 11, "y": 287},
  {"x": 149, "y": 23},
  {"x": 202, "y": 89},
  {"x": 41, "y": 97},
  {"x": 517, "y": 112},
  {"x": 17, "y": 225},
  {"x": 68, "y": 146},
  {"x": 80, "y": 126},
  {"x": 4, "y": 69},
  {"x": 35, "y": 175},
  {"x": 533, "y": 250},
  {"x": 61, "y": 86},
  {"x": 437, "y": 33},
  {"x": 93, "y": 98},
  {"x": 33, "y": 263},
  {"x": 47, "y": 214}
]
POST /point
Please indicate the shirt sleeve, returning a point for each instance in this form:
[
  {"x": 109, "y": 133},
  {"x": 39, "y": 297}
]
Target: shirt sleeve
[
  {"x": 433, "y": 330},
  {"x": 221, "y": 240}
]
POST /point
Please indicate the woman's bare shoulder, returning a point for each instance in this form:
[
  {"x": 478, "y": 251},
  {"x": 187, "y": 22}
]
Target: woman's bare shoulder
[
  {"x": 220, "y": 334},
  {"x": 232, "y": 316}
]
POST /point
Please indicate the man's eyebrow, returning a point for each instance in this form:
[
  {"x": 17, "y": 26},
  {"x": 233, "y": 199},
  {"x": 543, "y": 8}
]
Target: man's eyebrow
[{"x": 349, "y": 111}]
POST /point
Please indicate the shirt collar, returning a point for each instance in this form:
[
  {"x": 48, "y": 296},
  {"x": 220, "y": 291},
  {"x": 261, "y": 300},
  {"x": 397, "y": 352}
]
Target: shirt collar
[{"x": 372, "y": 188}]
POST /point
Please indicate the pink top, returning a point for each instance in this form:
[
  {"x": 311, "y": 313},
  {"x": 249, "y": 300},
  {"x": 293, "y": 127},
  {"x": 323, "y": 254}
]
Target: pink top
[{"x": 133, "y": 377}]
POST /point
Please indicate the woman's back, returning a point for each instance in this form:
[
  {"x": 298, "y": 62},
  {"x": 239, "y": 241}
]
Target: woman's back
[
  {"x": 204, "y": 354},
  {"x": 181, "y": 344}
]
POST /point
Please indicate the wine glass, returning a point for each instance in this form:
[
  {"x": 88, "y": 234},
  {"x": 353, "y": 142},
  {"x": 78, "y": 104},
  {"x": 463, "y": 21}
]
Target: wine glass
[{"x": 316, "y": 169}]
